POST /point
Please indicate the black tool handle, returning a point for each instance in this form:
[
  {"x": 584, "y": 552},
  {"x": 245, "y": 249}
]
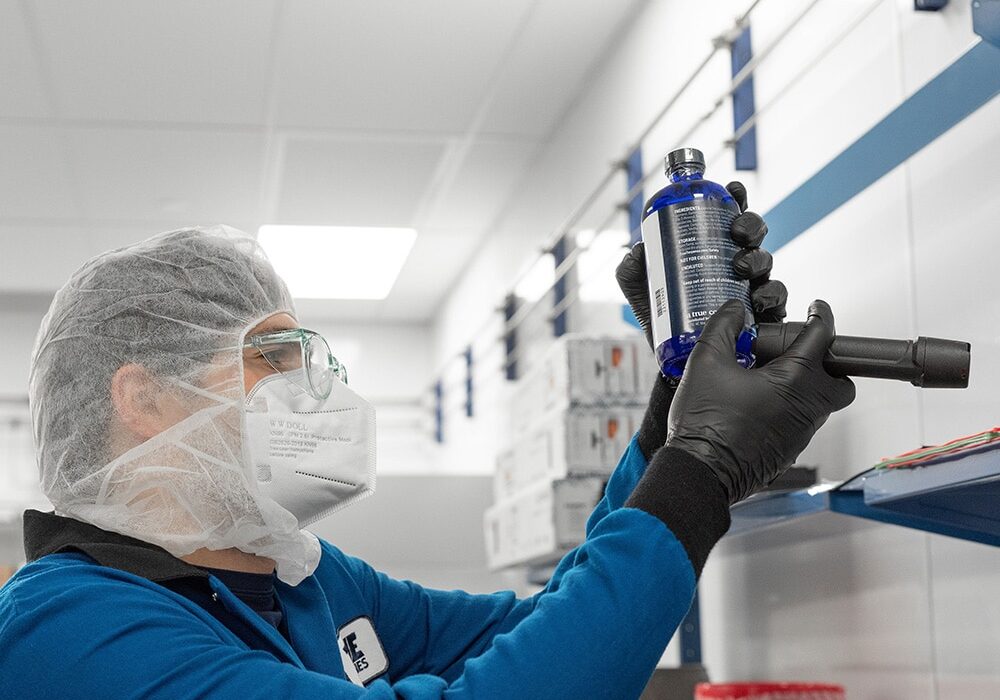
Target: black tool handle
[{"x": 925, "y": 362}]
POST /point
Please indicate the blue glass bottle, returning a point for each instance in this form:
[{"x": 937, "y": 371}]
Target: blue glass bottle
[{"x": 689, "y": 256}]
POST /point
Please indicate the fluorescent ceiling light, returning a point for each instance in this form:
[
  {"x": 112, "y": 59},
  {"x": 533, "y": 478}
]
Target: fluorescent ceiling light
[{"x": 337, "y": 262}]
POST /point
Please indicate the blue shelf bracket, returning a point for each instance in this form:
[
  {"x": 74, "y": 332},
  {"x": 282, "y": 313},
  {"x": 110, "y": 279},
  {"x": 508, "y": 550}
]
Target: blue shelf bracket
[
  {"x": 690, "y": 638},
  {"x": 559, "y": 253},
  {"x": 986, "y": 20},
  {"x": 633, "y": 175},
  {"x": 745, "y": 148},
  {"x": 510, "y": 338},
  {"x": 439, "y": 412},
  {"x": 468, "y": 382}
]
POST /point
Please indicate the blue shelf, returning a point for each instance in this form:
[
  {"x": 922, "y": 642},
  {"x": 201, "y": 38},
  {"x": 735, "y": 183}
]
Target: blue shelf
[
  {"x": 958, "y": 498},
  {"x": 775, "y": 508}
]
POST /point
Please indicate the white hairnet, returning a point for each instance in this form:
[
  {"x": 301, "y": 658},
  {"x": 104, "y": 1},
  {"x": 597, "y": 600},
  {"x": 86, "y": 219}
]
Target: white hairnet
[{"x": 178, "y": 305}]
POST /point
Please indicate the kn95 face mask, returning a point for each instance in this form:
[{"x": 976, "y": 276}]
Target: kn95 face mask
[{"x": 311, "y": 456}]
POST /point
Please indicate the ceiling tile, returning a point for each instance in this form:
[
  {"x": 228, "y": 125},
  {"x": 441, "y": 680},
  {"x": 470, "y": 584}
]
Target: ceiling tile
[
  {"x": 309, "y": 311},
  {"x": 195, "y": 177},
  {"x": 56, "y": 251},
  {"x": 44, "y": 265},
  {"x": 364, "y": 67},
  {"x": 22, "y": 94},
  {"x": 436, "y": 260},
  {"x": 183, "y": 61},
  {"x": 384, "y": 64},
  {"x": 34, "y": 179},
  {"x": 354, "y": 183},
  {"x": 560, "y": 45},
  {"x": 483, "y": 184},
  {"x": 105, "y": 236}
]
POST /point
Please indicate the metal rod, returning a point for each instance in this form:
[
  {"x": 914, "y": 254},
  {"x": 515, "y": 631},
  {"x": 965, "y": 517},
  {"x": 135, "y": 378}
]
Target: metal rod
[
  {"x": 560, "y": 271},
  {"x": 592, "y": 197},
  {"x": 571, "y": 259},
  {"x": 577, "y": 214},
  {"x": 827, "y": 48},
  {"x": 745, "y": 73},
  {"x": 527, "y": 309},
  {"x": 736, "y": 82},
  {"x": 716, "y": 47}
]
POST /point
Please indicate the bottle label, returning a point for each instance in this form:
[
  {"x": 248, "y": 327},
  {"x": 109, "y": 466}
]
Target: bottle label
[{"x": 689, "y": 261}]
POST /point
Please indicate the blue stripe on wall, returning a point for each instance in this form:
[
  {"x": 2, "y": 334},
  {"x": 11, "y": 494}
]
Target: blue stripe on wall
[{"x": 955, "y": 93}]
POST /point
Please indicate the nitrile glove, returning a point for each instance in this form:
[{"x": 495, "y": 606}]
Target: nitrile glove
[
  {"x": 733, "y": 430},
  {"x": 753, "y": 263},
  {"x": 748, "y": 426}
]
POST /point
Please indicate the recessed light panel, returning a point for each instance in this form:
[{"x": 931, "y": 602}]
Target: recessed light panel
[{"x": 337, "y": 262}]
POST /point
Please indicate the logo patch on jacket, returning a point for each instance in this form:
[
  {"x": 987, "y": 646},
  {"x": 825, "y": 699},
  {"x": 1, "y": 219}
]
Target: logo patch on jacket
[{"x": 361, "y": 651}]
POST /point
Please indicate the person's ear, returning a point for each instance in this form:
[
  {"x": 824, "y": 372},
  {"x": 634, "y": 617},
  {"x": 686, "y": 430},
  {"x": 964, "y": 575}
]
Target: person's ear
[{"x": 136, "y": 398}]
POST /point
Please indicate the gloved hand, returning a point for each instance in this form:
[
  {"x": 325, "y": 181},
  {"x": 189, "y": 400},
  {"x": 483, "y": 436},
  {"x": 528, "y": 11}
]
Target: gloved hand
[
  {"x": 753, "y": 263},
  {"x": 767, "y": 297},
  {"x": 748, "y": 426}
]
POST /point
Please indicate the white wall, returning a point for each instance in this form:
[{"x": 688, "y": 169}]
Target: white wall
[
  {"x": 892, "y": 613},
  {"x": 389, "y": 364},
  {"x": 19, "y": 319},
  {"x": 422, "y": 528},
  {"x": 20, "y": 323}
]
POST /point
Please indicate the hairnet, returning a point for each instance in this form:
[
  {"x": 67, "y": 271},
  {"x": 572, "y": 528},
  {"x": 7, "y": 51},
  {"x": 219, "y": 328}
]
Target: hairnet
[{"x": 178, "y": 305}]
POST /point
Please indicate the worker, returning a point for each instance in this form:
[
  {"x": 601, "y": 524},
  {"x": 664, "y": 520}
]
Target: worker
[{"x": 188, "y": 431}]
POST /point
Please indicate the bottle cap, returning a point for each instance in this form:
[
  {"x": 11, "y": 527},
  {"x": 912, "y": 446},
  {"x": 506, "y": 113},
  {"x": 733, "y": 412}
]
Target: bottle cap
[{"x": 684, "y": 156}]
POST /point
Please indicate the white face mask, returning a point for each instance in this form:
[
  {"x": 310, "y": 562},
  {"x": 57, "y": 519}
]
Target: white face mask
[{"x": 311, "y": 456}]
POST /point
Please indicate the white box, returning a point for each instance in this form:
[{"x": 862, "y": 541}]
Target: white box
[
  {"x": 505, "y": 477},
  {"x": 570, "y": 443},
  {"x": 583, "y": 371},
  {"x": 541, "y": 523}
]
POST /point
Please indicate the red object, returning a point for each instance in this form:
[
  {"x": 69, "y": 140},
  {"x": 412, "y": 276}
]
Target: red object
[{"x": 769, "y": 691}]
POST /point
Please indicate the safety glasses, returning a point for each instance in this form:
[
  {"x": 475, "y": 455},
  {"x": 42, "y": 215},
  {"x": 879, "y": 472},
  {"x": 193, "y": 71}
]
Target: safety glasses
[{"x": 300, "y": 349}]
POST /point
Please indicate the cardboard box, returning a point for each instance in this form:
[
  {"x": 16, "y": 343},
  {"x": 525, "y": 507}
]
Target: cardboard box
[
  {"x": 540, "y": 523},
  {"x": 570, "y": 443},
  {"x": 583, "y": 371}
]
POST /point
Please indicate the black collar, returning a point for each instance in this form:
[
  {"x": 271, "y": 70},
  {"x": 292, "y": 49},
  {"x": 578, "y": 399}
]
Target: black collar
[{"x": 48, "y": 533}]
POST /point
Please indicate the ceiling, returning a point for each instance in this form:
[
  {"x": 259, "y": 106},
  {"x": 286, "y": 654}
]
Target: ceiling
[{"x": 122, "y": 118}]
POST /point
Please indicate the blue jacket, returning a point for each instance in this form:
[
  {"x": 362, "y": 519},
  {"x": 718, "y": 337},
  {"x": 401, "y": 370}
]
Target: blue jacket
[{"x": 73, "y": 628}]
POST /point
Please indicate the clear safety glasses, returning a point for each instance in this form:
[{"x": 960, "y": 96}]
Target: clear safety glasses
[{"x": 300, "y": 349}]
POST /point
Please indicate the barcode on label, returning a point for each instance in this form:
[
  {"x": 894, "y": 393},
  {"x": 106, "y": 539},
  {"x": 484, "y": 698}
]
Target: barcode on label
[{"x": 661, "y": 302}]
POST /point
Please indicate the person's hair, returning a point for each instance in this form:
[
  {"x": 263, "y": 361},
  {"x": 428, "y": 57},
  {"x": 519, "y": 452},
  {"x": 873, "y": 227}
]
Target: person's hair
[{"x": 168, "y": 304}]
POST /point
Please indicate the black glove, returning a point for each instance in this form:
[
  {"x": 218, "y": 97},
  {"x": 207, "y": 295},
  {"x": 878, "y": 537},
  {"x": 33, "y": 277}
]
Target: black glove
[
  {"x": 753, "y": 263},
  {"x": 767, "y": 297},
  {"x": 733, "y": 430},
  {"x": 748, "y": 426}
]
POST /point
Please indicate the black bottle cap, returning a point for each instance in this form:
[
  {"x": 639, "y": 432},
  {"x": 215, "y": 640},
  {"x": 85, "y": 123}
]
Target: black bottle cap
[{"x": 682, "y": 157}]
